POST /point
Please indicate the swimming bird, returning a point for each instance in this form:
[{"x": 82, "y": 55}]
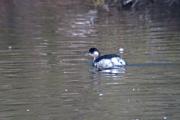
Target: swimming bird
[{"x": 108, "y": 61}]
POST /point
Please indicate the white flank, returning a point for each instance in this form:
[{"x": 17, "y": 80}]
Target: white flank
[{"x": 110, "y": 63}]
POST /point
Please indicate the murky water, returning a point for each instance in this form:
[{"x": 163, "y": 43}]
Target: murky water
[{"x": 44, "y": 74}]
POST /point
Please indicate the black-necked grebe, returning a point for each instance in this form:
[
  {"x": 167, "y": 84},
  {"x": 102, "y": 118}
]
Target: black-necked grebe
[{"x": 109, "y": 61}]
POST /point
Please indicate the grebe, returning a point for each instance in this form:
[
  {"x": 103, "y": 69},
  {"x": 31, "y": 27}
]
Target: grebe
[{"x": 109, "y": 61}]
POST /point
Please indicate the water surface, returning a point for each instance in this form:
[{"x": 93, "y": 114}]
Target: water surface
[{"x": 44, "y": 74}]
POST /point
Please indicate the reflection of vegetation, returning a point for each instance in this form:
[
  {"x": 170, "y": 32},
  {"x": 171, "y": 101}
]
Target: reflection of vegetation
[
  {"x": 106, "y": 4},
  {"x": 101, "y": 3},
  {"x": 98, "y": 2},
  {"x": 172, "y": 2}
]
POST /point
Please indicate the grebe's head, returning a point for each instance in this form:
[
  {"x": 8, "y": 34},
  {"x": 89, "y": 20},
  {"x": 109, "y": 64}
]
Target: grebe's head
[{"x": 94, "y": 52}]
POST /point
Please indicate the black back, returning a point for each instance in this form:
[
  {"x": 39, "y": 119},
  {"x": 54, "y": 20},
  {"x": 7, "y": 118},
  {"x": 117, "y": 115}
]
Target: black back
[{"x": 108, "y": 56}]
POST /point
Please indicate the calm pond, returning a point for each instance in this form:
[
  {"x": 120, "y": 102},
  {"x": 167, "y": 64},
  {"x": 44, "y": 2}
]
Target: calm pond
[{"x": 44, "y": 74}]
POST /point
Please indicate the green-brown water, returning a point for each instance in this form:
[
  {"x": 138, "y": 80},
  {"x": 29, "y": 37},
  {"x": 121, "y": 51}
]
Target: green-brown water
[{"x": 44, "y": 74}]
